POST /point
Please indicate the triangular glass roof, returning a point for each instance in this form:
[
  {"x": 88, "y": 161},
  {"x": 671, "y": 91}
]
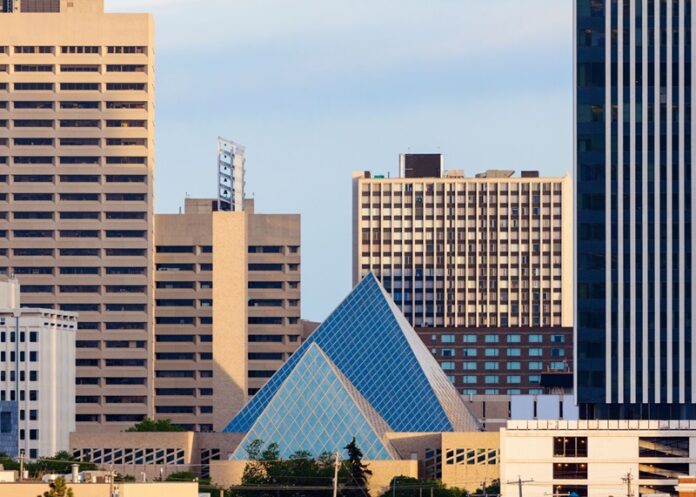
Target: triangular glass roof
[
  {"x": 318, "y": 410},
  {"x": 377, "y": 350}
]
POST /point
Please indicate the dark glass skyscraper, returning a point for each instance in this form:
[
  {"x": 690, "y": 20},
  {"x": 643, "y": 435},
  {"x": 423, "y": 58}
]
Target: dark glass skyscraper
[{"x": 634, "y": 255}]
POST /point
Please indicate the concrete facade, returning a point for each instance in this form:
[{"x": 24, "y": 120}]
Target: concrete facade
[
  {"x": 592, "y": 458},
  {"x": 76, "y": 206},
  {"x": 37, "y": 370},
  {"x": 227, "y": 309}
]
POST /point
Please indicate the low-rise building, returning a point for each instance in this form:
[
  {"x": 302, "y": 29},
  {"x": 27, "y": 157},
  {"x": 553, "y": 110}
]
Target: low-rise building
[
  {"x": 37, "y": 376},
  {"x": 596, "y": 458}
]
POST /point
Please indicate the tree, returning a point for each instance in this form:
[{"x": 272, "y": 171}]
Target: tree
[
  {"x": 58, "y": 488},
  {"x": 358, "y": 473},
  {"x": 410, "y": 487},
  {"x": 150, "y": 425}
]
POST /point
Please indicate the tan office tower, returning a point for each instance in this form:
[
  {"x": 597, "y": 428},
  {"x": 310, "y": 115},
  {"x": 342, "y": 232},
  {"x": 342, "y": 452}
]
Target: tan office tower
[
  {"x": 77, "y": 148},
  {"x": 481, "y": 267},
  {"x": 220, "y": 277}
]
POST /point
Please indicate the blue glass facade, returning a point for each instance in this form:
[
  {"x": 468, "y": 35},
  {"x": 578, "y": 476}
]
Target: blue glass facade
[
  {"x": 318, "y": 410},
  {"x": 634, "y": 203},
  {"x": 378, "y": 352},
  {"x": 9, "y": 428}
]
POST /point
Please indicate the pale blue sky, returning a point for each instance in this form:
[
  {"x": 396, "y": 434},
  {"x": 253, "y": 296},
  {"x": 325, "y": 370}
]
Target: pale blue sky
[{"x": 316, "y": 89}]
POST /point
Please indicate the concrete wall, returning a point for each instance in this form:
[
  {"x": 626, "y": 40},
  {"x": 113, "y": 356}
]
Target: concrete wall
[{"x": 102, "y": 489}]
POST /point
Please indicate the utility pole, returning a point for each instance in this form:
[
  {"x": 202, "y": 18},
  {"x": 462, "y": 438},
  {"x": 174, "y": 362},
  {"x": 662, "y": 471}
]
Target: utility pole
[
  {"x": 21, "y": 463},
  {"x": 519, "y": 483},
  {"x": 628, "y": 479},
  {"x": 111, "y": 480},
  {"x": 335, "y": 480},
  {"x": 483, "y": 486}
]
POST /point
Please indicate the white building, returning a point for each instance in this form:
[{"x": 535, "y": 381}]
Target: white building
[
  {"x": 231, "y": 162},
  {"x": 37, "y": 369},
  {"x": 596, "y": 458}
]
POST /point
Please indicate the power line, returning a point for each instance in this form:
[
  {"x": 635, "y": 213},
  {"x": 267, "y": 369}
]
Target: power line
[{"x": 519, "y": 483}]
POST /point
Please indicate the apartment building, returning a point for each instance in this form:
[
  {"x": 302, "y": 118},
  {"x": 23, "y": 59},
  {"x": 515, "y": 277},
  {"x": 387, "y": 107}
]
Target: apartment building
[
  {"x": 37, "y": 374},
  {"x": 481, "y": 267},
  {"x": 77, "y": 148},
  {"x": 220, "y": 277}
]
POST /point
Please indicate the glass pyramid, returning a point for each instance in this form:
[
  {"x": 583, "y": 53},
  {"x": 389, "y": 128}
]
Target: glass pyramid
[
  {"x": 317, "y": 409},
  {"x": 377, "y": 350}
]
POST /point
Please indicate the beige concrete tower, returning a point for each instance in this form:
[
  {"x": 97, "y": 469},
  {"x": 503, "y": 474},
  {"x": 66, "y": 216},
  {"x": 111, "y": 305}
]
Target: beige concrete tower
[
  {"x": 227, "y": 308},
  {"x": 77, "y": 148}
]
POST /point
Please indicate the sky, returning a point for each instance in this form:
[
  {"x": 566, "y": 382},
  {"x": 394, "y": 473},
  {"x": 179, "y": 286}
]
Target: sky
[{"x": 317, "y": 89}]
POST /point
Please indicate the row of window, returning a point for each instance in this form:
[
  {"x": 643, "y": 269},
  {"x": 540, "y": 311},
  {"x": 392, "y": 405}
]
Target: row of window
[
  {"x": 111, "y": 344},
  {"x": 83, "y": 215},
  {"x": 48, "y": 160},
  {"x": 94, "y": 68},
  {"x": 498, "y": 391},
  {"x": 273, "y": 267},
  {"x": 76, "y": 234},
  {"x": 11, "y": 357},
  {"x": 183, "y": 267},
  {"x": 181, "y": 285},
  {"x": 73, "y": 105},
  {"x": 117, "y": 381},
  {"x": 76, "y": 197},
  {"x": 488, "y": 338},
  {"x": 43, "y": 86},
  {"x": 96, "y": 289},
  {"x": 183, "y": 320},
  {"x": 495, "y": 379},
  {"x": 5, "y": 376},
  {"x": 74, "y": 252},
  {"x": 73, "y": 123},
  {"x": 202, "y": 303},
  {"x": 495, "y": 366},
  {"x": 9, "y": 337},
  {"x": 509, "y": 352},
  {"x": 32, "y": 397},
  {"x": 74, "y": 49}
]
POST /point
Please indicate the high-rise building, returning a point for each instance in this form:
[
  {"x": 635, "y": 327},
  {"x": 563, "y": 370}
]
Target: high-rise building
[
  {"x": 634, "y": 181},
  {"x": 231, "y": 160},
  {"x": 481, "y": 267},
  {"x": 227, "y": 308},
  {"x": 77, "y": 151},
  {"x": 37, "y": 373}
]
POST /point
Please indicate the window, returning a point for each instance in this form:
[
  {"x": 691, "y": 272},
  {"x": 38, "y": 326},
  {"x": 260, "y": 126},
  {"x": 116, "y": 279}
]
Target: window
[
  {"x": 536, "y": 352},
  {"x": 127, "y": 50},
  {"x": 514, "y": 366},
  {"x": 79, "y": 215},
  {"x": 492, "y": 338},
  {"x": 491, "y": 380},
  {"x": 492, "y": 366},
  {"x": 469, "y": 352},
  {"x": 79, "y": 50},
  {"x": 514, "y": 338},
  {"x": 23, "y": 104},
  {"x": 265, "y": 267},
  {"x": 469, "y": 366},
  {"x": 536, "y": 366},
  {"x": 447, "y": 338},
  {"x": 33, "y": 142},
  {"x": 536, "y": 338},
  {"x": 79, "y": 68},
  {"x": 492, "y": 353},
  {"x": 469, "y": 338},
  {"x": 79, "y": 86},
  {"x": 33, "y": 68},
  {"x": 126, "y": 86},
  {"x": 570, "y": 447},
  {"x": 33, "y": 86},
  {"x": 557, "y": 339},
  {"x": 663, "y": 447},
  {"x": 5, "y": 422},
  {"x": 514, "y": 352},
  {"x": 558, "y": 353},
  {"x": 447, "y": 366},
  {"x": 79, "y": 142},
  {"x": 514, "y": 380},
  {"x": 79, "y": 123},
  {"x": 570, "y": 471}
]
